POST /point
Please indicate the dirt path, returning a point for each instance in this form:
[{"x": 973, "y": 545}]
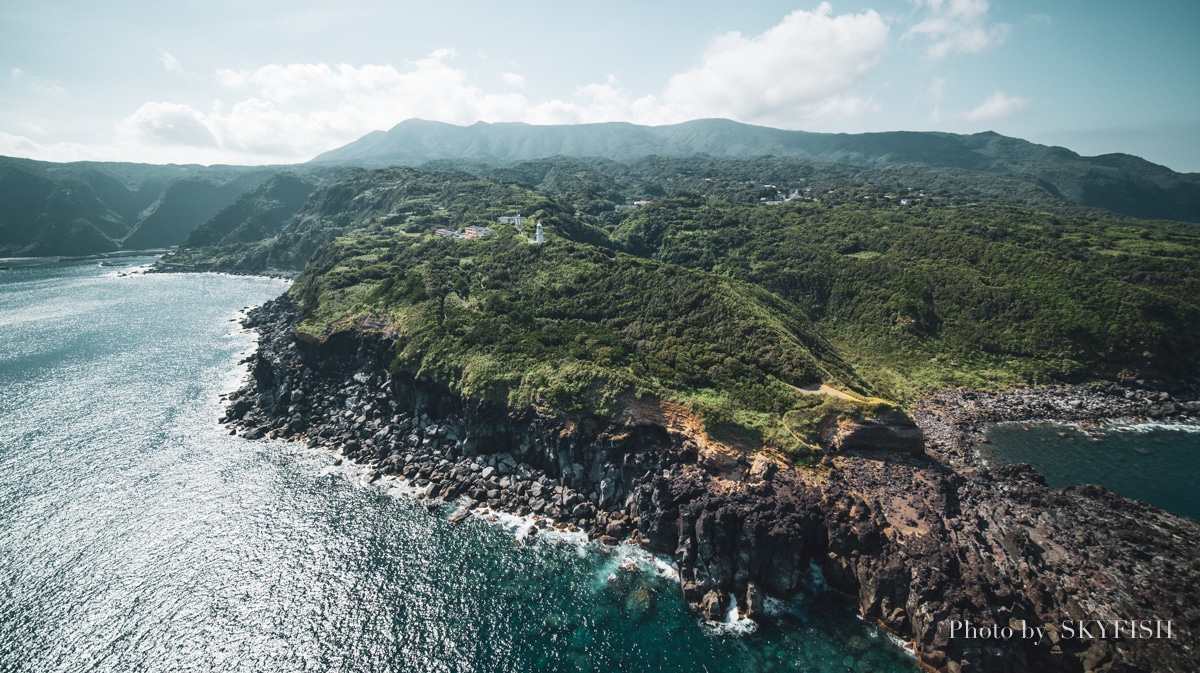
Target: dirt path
[{"x": 822, "y": 389}]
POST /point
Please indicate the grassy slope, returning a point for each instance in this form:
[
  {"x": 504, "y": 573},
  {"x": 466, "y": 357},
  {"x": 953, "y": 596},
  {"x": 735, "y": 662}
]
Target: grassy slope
[
  {"x": 728, "y": 307},
  {"x": 575, "y": 328}
]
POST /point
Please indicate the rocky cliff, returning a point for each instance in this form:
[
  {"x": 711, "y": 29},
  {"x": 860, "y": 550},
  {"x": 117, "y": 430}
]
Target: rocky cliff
[{"x": 918, "y": 541}]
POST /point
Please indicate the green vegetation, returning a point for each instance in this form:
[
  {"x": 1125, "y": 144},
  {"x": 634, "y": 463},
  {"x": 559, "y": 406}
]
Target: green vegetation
[
  {"x": 884, "y": 265},
  {"x": 89, "y": 207},
  {"x": 731, "y": 307},
  {"x": 922, "y": 298},
  {"x": 397, "y": 200},
  {"x": 575, "y": 328},
  {"x": 977, "y": 167}
]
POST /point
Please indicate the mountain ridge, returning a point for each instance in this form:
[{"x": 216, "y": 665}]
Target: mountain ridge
[
  {"x": 96, "y": 207},
  {"x": 1122, "y": 183}
]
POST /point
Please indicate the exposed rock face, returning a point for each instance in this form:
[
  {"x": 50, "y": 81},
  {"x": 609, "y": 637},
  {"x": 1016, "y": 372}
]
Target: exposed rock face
[
  {"x": 917, "y": 541},
  {"x": 754, "y": 601},
  {"x": 339, "y": 394},
  {"x": 889, "y": 431},
  {"x": 713, "y": 606}
]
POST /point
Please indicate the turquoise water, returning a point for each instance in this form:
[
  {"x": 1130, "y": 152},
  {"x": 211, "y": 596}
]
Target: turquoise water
[
  {"x": 137, "y": 535},
  {"x": 1159, "y": 464}
]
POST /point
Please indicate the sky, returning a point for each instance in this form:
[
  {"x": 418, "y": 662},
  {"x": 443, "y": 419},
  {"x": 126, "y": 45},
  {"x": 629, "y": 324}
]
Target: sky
[{"x": 265, "y": 82}]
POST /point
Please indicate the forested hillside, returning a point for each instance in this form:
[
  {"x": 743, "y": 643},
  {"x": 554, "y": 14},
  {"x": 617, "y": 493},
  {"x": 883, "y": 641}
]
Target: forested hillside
[
  {"x": 1118, "y": 182},
  {"x": 91, "y": 207},
  {"x": 733, "y": 306},
  {"x": 953, "y": 296},
  {"x": 593, "y": 169}
]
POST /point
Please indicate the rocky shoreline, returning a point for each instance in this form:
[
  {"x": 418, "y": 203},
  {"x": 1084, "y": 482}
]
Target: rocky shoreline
[
  {"x": 915, "y": 531},
  {"x": 162, "y": 266},
  {"x": 954, "y": 420}
]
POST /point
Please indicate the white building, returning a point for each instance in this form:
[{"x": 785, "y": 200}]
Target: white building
[{"x": 514, "y": 220}]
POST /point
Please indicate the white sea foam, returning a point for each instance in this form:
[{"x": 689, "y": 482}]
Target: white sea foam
[
  {"x": 1104, "y": 426},
  {"x": 664, "y": 569},
  {"x": 875, "y": 632},
  {"x": 628, "y": 559},
  {"x": 397, "y": 487},
  {"x": 899, "y": 642},
  {"x": 733, "y": 624},
  {"x": 608, "y": 572},
  {"x": 392, "y": 486},
  {"x": 1155, "y": 427},
  {"x": 522, "y": 527},
  {"x": 775, "y": 607}
]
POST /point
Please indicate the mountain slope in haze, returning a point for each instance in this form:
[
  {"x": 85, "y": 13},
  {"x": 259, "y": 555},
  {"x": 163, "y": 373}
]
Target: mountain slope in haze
[
  {"x": 1118, "y": 182},
  {"x": 181, "y": 207},
  {"x": 257, "y": 214},
  {"x": 92, "y": 207},
  {"x": 43, "y": 216}
]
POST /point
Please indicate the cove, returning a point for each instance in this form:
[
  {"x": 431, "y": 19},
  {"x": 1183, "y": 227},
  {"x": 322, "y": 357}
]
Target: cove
[{"x": 1159, "y": 464}]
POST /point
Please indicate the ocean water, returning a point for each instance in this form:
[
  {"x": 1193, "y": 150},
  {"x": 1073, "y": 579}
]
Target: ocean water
[
  {"x": 137, "y": 535},
  {"x": 1156, "y": 463}
]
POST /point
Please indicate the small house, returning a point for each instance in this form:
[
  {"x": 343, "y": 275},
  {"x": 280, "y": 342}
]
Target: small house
[{"x": 476, "y": 232}]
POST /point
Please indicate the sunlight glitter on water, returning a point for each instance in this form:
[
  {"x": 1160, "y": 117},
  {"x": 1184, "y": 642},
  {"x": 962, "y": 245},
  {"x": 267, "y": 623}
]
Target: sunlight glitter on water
[{"x": 138, "y": 535}]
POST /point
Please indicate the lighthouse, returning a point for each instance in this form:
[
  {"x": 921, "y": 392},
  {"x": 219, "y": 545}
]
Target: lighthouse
[{"x": 538, "y": 236}]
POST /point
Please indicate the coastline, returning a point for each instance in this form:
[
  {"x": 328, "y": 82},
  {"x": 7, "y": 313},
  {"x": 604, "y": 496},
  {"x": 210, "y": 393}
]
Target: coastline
[
  {"x": 954, "y": 420},
  {"x": 278, "y": 274},
  {"x": 917, "y": 540}
]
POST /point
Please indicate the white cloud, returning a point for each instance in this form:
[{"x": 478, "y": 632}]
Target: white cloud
[
  {"x": 295, "y": 111},
  {"x": 289, "y": 112},
  {"x": 19, "y": 146},
  {"x": 805, "y": 67},
  {"x": 607, "y": 102},
  {"x": 38, "y": 84},
  {"x": 957, "y": 26},
  {"x": 996, "y": 106},
  {"x": 169, "y": 124},
  {"x": 804, "y": 71},
  {"x": 12, "y": 145},
  {"x": 169, "y": 62}
]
